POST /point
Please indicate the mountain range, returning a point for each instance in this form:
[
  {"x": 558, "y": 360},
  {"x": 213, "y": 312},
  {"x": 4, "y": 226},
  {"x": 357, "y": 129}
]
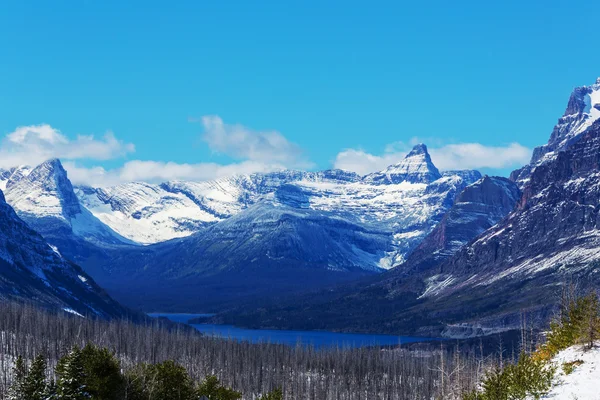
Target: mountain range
[
  {"x": 409, "y": 249},
  {"x": 489, "y": 281},
  {"x": 245, "y": 237}
]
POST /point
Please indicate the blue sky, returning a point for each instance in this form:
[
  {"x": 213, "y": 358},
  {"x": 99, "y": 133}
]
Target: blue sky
[{"x": 201, "y": 89}]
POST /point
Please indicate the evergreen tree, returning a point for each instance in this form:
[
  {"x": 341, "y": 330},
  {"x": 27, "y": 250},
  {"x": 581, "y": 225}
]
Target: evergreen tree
[
  {"x": 35, "y": 384},
  {"x": 71, "y": 377},
  {"x": 17, "y": 389},
  {"x": 103, "y": 378},
  {"x": 172, "y": 382},
  {"x": 213, "y": 390},
  {"x": 50, "y": 393}
]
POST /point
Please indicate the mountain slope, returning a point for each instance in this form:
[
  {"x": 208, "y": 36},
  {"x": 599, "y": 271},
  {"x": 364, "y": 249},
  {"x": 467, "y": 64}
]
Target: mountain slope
[
  {"x": 265, "y": 251},
  {"x": 149, "y": 213},
  {"x": 30, "y": 270},
  {"x": 377, "y": 303}
]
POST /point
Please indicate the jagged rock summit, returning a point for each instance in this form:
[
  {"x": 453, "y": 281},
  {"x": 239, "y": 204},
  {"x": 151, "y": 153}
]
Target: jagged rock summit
[
  {"x": 44, "y": 198},
  {"x": 583, "y": 109},
  {"x": 416, "y": 167}
]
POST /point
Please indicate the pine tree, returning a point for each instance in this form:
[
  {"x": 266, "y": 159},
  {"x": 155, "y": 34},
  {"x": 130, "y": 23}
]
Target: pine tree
[
  {"x": 103, "y": 378},
  {"x": 71, "y": 377},
  {"x": 35, "y": 383},
  {"x": 50, "y": 392},
  {"x": 17, "y": 389}
]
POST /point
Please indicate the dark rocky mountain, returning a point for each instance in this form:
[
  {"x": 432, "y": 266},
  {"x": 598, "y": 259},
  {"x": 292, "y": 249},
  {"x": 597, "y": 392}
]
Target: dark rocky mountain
[
  {"x": 32, "y": 271},
  {"x": 268, "y": 250},
  {"x": 582, "y": 110}
]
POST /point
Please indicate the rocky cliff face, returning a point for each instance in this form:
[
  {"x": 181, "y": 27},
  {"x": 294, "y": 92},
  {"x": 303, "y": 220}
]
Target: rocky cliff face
[
  {"x": 550, "y": 239},
  {"x": 477, "y": 208},
  {"x": 583, "y": 109},
  {"x": 32, "y": 271}
]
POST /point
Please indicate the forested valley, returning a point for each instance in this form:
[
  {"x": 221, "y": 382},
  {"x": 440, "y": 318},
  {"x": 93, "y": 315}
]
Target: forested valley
[
  {"x": 63, "y": 356},
  {"x": 54, "y": 355}
]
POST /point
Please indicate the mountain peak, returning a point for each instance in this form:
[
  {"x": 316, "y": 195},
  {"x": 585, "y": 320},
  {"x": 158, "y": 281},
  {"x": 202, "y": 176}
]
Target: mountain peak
[
  {"x": 418, "y": 149},
  {"x": 416, "y": 167},
  {"x": 47, "y": 181},
  {"x": 583, "y": 110}
]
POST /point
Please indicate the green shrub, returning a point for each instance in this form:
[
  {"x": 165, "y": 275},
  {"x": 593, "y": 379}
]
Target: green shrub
[
  {"x": 579, "y": 322},
  {"x": 569, "y": 367},
  {"x": 528, "y": 377},
  {"x": 213, "y": 390}
]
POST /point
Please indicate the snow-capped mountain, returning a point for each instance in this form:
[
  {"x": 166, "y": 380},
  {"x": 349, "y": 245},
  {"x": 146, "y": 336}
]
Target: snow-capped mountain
[
  {"x": 407, "y": 199},
  {"x": 415, "y": 168},
  {"x": 287, "y": 223},
  {"x": 32, "y": 271},
  {"x": 583, "y": 109},
  {"x": 44, "y": 198},
  {"x": 149, "y": 213},
  {"x": 516, "y": 267},
  {"x": 380, "y": 303},
  {"x": 251, "y": 231}
]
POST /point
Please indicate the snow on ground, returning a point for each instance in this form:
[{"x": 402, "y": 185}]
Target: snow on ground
[
  {"x": 71, "y": 311},
  {"x": 581, "y": 384}
]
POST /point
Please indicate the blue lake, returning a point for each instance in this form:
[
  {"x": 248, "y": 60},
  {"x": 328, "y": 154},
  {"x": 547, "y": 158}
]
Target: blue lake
[{"x": 292, "y": 338}]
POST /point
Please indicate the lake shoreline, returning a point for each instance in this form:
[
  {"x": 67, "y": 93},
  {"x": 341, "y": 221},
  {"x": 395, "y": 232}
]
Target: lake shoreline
[{"x": 318, "y": 339}]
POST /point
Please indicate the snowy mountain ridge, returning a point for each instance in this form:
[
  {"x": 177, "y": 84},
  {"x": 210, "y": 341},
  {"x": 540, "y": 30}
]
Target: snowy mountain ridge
[
  {"x": 44, "y": 198},
  {"x": 583, "y": 109},
  {"x": 406, "y": 199}
]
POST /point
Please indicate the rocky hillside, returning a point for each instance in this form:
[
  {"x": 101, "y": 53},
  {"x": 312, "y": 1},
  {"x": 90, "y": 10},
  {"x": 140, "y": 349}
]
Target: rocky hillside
[{"x": 32, "y": 271}]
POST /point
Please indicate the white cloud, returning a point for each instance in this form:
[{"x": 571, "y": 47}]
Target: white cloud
[
  {"x": 445, "y": 157},
  {"x": 363, "y": 163},
  {"x": 241, "y": 142},
  {"x": 476, "y": 155},
  {"x": 158, "y": 171},
  {"x": 36, "y": 143},
  {"x": 257, "y": 151}
]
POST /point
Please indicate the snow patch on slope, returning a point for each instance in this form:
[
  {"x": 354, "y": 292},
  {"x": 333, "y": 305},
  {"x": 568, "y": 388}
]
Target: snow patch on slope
[{"x": 582, "y": 383}]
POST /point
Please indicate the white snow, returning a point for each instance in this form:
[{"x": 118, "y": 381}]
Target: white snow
[
  {"x": 581, "y": 384},
  {"x": 436, "y": 284},
  {"x": 591, "y": 114},
  {"x": 71, "y": 311},
  {"x": 147, "y": 213}
]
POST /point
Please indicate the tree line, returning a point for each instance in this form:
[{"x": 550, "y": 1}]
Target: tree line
[
  {"x": 95, "y": 373},
  {"x": 150, "y": 359}
]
